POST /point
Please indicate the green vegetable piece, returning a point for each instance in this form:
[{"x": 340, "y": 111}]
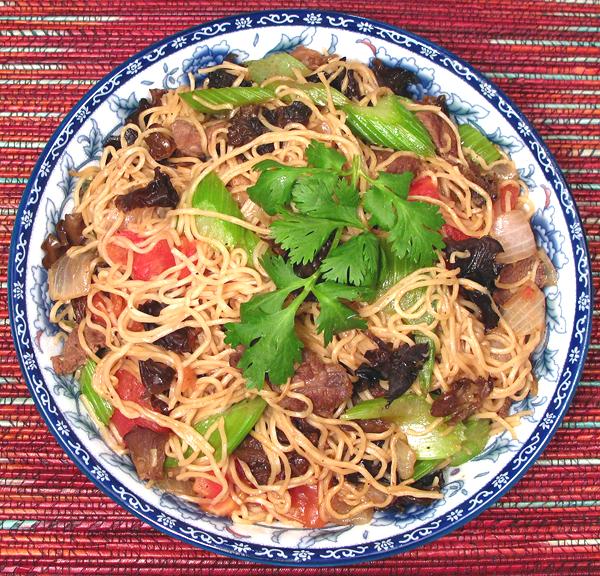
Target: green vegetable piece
[
  {"x": 412, "y": 414},
  {"x": 389, "y": 124},
  {"x": 279, "y": 64},
  {"x": 425, "y": 467},
  {"x": 392, "y": 269},
  {"x": 476, "y": 141},
  {"x": 102, "y": 408},
  {"x": 272, "y": 346},
  {"x": 356, "y": 261},
  {"x": 317, "y": 92},
  {"x": 216, "y": 100},
  {"x": 302, "y": 235},
  {"x": 414, "y": 227},
  {"x": 334, "y": 316},
  {"x": 426, "y": 372},
  {"x": 477, "y": 433},
  {"x": 321, "y": 156},
  {"x": 238, "y": 422},
  {"x": 212, "y": 195}
]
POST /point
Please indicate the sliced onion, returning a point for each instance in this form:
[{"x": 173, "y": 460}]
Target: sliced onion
[
  {"x": 70, "y": 276},
  {"x": 406, "y": 460},
  {"x": 525, "y": 312},
  {"x": 514, "y": 232},
  {"x": 551, "y": 274},
  {"x": 504, "y": 170}
]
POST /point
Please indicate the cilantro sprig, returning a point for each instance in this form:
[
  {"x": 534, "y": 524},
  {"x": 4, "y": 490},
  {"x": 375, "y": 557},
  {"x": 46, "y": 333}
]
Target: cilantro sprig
[{"x": 316, "y": 206}]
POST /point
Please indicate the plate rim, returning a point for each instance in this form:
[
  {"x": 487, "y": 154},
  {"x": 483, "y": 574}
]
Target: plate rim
[{"x": 339, "y": 555}]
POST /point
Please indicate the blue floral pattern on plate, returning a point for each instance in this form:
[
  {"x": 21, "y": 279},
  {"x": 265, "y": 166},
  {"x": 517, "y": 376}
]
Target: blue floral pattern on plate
[{"x": 471, "y": 487}]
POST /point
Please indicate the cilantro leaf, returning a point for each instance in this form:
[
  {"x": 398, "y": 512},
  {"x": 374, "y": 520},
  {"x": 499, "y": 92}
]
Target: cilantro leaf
[
  {"x": 346, "y": 193},
  {"x": 314, "y": 196},
  {"x": 281, "y": 272},
  {"x": 356, "y": 261},
  {"x": 301, "y": 235},
  {"x": 399, "y": 184},
  {"x": 414, "y": 227},
  {"x": 321, "y": 156},
  {"x": 272, "y": 346},
  {"x": 334, "y": 316}
]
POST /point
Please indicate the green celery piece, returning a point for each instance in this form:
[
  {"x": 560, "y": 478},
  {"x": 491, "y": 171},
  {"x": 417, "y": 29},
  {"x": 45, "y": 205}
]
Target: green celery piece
[
  {"x": 425, "y": 467},
  {"x": 212, "y": 195},
  {"x": 392, "y": 269},
  {"x": 426, "y": 372},
  {"x": 238, "y": 422},
  {"x": 222, "y": 99},
  {"x": 476, "y": 141},
  {"x": 279, "y": 64},
  {"x": 477, "y": 433},
  {"x": 412, "y": 414},
  {"x": 317, "y": 92},
  {"x": 102, "y": 408},
  {"x": 389, "y": 124}
]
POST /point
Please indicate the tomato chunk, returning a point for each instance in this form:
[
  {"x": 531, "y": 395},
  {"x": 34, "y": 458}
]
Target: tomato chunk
[
  {"x": 131, "y": 389},
  {"x": 424, "y": 186},
  {"x": 453, "y": 233},
  {"x": 206, "y": 488},
  {"x": 145, "y": 266},
  {"x": 305, "y": 506}
]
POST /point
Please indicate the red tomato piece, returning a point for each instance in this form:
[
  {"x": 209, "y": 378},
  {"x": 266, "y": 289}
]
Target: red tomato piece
[
  {"x": 305, "y": 506},
  {"x": 145, "y": 266},
  {"x": 453, "y": 233},
  {"x": 424, "y": 186},
  {"x": 188, "y": 247},
  {"x": 131, "y": 389},
  {"x": 206, "y": 488}
]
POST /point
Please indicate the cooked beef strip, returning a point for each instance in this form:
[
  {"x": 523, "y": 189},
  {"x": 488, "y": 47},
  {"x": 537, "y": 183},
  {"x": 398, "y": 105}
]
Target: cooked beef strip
[
  {"x": 441, "y": 133},
  {"x": 326, "y": 385},
  {"x": 402, "y": 163},
  {"x": 464, "y": 398},
  {"x": 439, "y": 101},
  {"x": 309, "y": 57},
  {"x": 147, "y": 450},
  {"x": 187, "y": 138},
  {"x": 486, "y": 180},
  {"x": 73, "y": 355}
]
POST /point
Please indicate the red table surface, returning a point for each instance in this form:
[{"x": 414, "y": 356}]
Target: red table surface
[{"x": 545, "y": 55}]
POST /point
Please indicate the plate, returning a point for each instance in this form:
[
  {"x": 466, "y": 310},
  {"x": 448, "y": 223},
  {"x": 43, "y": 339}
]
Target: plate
[{"x": 471, "y": 98}]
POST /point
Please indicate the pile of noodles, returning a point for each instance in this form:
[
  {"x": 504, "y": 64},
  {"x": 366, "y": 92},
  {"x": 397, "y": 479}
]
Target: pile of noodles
[{"x": 220, "y": 280}]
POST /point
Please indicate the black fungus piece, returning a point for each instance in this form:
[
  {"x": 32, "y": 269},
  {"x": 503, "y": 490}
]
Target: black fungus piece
[
  {"x": 180, "y": 340},
  {"x": 396, "y": 79},
  {"x": 433, "y": 481},
  {"x": 220, "y": 78},
  {"x": 351, "y": 91},
  {"x": 79, "y": 307},
  {"x": 159, "y": 405},
  {"x": 308, "y": 269},
  {"x": 68, "y": 232},
  {"x": 307, "y": 429},
  {"x": 157, "y": 193},
  {"x": 156, "y": 376},
  {"x": 245, "y": 126},
  {"x": 483, "y": 301},
  {"x": 134, "y": 118},
  {"x": 399, "y": 366},
  {"x": 463, "y": 398},
  {"x": 480, "y": 264},
  {"x": 296, "y": 112},
  {"x": 156, "y": 95},
  {"x": 368, "y": 379},
  {"x": 152, "y": 308},
  {"x": 439, "y": 101}
]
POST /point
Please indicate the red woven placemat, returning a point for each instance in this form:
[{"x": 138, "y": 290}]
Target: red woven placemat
[{"x": 544, "y": 54}]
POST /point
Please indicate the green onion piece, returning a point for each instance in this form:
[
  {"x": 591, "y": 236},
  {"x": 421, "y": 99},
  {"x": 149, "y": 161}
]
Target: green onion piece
[
  {"x": 389, "y": 124},
  {"x": 425, "y": 467},
  {"x": 412, "y": 415},
  {"x": 476, "y": 141},
  {"x": 102, "y": 408},
  {"x": 280, "y": 64},
  {"x": 477, "y": 433},
  {"x": 222, "y": 99},
  {"x": 212, "y": 195},
  {"x": 238, "y": 421}
]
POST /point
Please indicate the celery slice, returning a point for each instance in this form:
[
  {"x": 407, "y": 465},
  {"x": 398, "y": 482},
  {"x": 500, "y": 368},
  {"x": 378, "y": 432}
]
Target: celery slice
[
  {"x": 102, "y": 408},
  {"x": 223, "y": 99},
  {"x": 390, "y": 124},
  {"x": 279, "y": 64},
  {"x": 476, "y": 141}
]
